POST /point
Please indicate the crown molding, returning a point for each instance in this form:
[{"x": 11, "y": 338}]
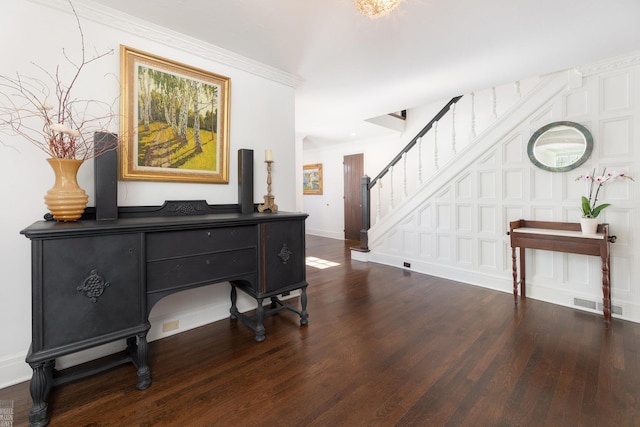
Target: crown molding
[
  {"x": 120, "y": 21},
  {"x": 615, "y": 63}
]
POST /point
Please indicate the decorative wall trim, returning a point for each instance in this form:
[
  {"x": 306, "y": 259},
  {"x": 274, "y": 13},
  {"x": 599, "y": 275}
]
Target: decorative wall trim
[
  {"x": 136, "y": 26},
  {"x": 616, "y": 63}
]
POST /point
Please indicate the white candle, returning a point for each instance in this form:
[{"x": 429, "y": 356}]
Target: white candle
[{"x": 268, "y": 156}]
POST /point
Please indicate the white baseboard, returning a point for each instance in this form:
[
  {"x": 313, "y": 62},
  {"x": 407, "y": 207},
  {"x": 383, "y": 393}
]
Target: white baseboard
[
  {"x": 14, "y": 370},
  {"x": 360, "y": 256},
  {"x": 325, "y": 233}
]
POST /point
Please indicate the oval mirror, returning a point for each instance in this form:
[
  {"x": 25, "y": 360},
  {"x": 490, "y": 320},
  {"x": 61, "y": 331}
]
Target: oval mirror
[{"x": 560, "y": 146}]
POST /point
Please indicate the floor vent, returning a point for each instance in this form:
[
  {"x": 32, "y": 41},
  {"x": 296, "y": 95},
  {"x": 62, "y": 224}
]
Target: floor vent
[
  {"x": 584, "y": 303},
  {"x": 615, "y": 309}
]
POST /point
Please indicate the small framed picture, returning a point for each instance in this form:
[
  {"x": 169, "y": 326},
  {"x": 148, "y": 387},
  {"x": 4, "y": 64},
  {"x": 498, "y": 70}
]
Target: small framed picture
[{"x": 312, "y": 179}]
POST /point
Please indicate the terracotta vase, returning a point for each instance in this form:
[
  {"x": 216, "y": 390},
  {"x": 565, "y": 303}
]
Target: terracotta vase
[
  {"x": 66, "y": 200},
  {"x": 589, "y": 225}
]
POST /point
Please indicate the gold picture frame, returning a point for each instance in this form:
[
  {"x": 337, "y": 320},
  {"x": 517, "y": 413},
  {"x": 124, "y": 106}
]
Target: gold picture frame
[
  {"x": 161, "y": 142},
  {"x": 312, "y": 179}
]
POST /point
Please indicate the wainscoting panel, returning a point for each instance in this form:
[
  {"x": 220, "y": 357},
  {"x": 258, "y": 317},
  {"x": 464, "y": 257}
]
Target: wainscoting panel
[
  {"x": 465, "y": 251},
  {"x": 425, "y": 216},
  {"x": 577, "y": 103},
  {"x": 464, "y": 187},
  {"x": 515, "y": 149},
  {"x": 621, "y": 284},
  {"x": 464, "y": 217},
  {"x": 443, "y": 217},
  {"x": 444, "y": 247},
  {"x": 426, "y": 245},
  {"x": 487, "y": 185},
  {"x": 488, "y": 252},
  {"x": 488, "y": 220},
  {"x": 617, "y": 134},
  {"x": 542, "y": 185},
  {"x": 513, "y": 185},
  {"x": 616, "y": 91}
]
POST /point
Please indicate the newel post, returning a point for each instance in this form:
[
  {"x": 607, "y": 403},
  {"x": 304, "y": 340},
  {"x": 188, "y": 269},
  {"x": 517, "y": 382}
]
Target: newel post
[{"x": 366, "y": 213}]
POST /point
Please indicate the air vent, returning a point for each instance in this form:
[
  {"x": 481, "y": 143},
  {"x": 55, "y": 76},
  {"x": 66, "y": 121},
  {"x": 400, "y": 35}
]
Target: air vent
[
  {"x": 615, "y": 309},
  {"x": 584, "y": 303}
]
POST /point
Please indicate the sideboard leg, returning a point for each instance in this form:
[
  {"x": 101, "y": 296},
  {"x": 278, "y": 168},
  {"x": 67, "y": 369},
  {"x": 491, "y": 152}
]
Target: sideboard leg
[
  {"x": 234, "y": 299},
  {"x": 304, "y": 315},
  {"x": 260, "y": 331},
  {"x": 39, "y": 389},
  {"x": 144, "y": 373}
]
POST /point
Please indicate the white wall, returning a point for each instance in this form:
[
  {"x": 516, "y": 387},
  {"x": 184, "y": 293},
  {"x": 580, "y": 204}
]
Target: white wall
[{"x": 35, "y": 31}]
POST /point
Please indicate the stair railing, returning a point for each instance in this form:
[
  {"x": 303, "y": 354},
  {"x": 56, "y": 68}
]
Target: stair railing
[{"x": 367, "y": 183}]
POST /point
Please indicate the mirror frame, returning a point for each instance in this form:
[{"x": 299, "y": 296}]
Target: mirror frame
[{"x": 537, "y": 134}]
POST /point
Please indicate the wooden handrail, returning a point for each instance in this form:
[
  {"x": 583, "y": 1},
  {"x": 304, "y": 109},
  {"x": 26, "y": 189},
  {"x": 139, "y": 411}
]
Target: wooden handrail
[
  {"x": 367, "y": 184},
  {"x": 413, "y": 142}
]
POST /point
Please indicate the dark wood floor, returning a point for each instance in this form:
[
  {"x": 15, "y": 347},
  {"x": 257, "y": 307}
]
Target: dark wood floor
[{"x": 383, "y": 347}]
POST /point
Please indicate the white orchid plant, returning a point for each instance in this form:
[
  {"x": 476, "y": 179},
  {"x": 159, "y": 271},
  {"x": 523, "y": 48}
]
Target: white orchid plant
[
  {"x": 589, "y": 206},
  {"x": 44, "y": 112}
]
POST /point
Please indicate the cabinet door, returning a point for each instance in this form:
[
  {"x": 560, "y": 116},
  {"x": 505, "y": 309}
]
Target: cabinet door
[
  {"x": 89, "y": 288},
  {"x": 283, "y": 255}
]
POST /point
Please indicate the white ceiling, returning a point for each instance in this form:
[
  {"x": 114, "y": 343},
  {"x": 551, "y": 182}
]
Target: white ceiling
[{"x": 353, "y": 68}]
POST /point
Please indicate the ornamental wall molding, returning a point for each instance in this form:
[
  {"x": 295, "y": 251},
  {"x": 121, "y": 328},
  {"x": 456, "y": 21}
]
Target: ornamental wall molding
[
  {"x": 610, "y": 64},
  {"x": 138, "y": 27}
]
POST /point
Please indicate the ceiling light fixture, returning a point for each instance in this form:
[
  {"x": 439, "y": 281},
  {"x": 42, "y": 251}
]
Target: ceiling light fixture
[{"x": 375, "y": 8}]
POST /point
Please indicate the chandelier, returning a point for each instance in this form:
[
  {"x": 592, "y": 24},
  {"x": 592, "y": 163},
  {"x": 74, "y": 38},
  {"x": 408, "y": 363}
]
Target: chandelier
[{"x": 375, "y": 8}]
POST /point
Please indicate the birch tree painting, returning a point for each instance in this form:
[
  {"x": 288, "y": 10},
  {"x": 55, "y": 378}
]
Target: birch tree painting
[{"x": 181, "y": 121}]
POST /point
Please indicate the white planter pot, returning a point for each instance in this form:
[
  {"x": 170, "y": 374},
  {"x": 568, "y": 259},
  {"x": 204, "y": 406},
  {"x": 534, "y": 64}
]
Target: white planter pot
[{"x": 589, "y": 225}]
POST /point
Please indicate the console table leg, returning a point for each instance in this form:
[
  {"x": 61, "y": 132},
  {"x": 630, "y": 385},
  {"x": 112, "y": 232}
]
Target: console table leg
[
  {"x": 606, "y": 291},
  {"x": 514, "y": 273},
  {"x": 304, "y": 315},
  {"x": 39, "y": 389},
  {"x": 260, "y": 331},
  {"x": 523, "y": 274},
  {"x": 234, "y": 299},
  {"x": 144, "y": 373}
]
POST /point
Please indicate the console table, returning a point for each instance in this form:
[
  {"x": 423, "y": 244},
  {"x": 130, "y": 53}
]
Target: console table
[
  {"x": 95, "y": 282},
  {"x": 561, "y": 237}
]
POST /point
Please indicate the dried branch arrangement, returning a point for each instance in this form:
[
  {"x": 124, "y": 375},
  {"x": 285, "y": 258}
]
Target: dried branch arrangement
[{"x": 44, "y": 112}]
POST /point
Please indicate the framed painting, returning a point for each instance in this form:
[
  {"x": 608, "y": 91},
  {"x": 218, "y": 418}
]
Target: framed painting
[
  {"x": 312, "y": 179},
  {"x": 175, "y": 121}
]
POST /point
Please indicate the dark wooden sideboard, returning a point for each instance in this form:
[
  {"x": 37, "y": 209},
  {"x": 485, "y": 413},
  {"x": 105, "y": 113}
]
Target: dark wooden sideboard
[
  {"x": 561, "y": 237},
  {"x": 95, "y": 282}
]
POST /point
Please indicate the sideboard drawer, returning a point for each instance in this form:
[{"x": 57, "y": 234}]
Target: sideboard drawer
[
  {"x": 199, "y": 269},
  {"x": 168, "y": 244}
]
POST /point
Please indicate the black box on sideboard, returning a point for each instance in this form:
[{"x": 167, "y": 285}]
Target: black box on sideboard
[
  {"x": 105, "y": 175},
  {"x": 245, "y": 180}
]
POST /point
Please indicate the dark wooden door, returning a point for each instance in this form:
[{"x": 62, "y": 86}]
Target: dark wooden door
[{"x": 353, "y": 172}]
